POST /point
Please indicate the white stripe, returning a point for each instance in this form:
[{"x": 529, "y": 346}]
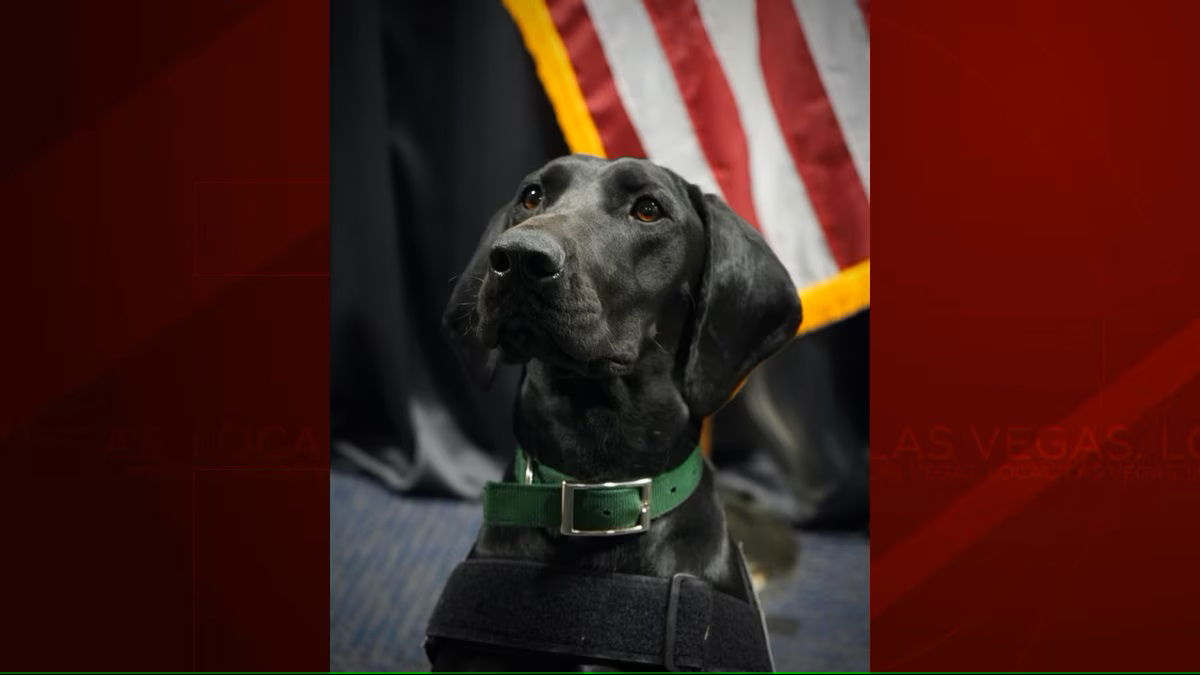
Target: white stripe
[
  {"x": 780, "y": 198},
  {"x": 837, "y": 37},
  {"x": 648, "y": 90}
]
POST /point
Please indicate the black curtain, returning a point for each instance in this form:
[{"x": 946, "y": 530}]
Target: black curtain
[
  {"x": 436, "y": 115},
  {"x": 796, "y": 439}
]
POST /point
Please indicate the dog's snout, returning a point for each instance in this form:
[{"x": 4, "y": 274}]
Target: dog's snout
[
  {"x": 534, "y": 256},
  {"x": 541, "y": 264},
  {"x": 500, "y": 262}
]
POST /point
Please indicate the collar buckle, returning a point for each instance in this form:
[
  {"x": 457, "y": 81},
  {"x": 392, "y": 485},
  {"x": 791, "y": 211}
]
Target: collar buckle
[{"x": 567, "y": 527}]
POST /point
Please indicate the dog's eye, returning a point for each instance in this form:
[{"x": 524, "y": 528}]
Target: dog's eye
[
  {"x": 647, "y": 210},
  {"x": 531, "y": 197}
]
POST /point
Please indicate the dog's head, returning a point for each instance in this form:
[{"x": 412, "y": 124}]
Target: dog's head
[{"x": 593, "y": 263}]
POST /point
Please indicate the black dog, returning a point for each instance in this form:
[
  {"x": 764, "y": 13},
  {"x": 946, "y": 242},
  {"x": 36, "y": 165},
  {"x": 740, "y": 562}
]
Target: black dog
[{"x": 638, "y": 304}]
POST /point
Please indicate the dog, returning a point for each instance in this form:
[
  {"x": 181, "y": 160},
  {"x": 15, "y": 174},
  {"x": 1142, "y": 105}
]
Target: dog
[{"x": 637, "y": 304}]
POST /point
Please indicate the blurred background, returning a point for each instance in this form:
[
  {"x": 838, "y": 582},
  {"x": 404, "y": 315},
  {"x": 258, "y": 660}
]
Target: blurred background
[{"x": 438, "y": 111}]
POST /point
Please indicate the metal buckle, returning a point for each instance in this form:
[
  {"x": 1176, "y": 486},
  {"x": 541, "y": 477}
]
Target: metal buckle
[
  {"x": 528, "y": 471},
  {"x": 568, "y": 508}
]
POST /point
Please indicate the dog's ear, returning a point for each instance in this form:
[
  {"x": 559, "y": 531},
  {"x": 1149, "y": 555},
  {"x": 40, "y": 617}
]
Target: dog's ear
[
  {"x": 461, "y": 318},
  {"x": 748, "y": 308}
]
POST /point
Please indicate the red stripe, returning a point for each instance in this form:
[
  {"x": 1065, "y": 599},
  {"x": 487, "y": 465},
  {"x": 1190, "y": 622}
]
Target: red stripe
[
  {"x": 709, "y": 99},
  {"x": 595, "y": 79},
  {"x": 865, "y": 7},
  {"x": 812, "y": 133}
]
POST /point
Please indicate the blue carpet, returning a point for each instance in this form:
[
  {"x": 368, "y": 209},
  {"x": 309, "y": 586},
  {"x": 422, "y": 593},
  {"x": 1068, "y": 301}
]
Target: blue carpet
[{"x": 390, "y": 556}]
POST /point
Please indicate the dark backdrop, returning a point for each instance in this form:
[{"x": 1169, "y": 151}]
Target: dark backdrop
[{"x": 437, "y": 113}]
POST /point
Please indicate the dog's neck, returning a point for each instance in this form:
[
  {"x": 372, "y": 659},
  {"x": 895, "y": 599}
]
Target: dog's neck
[{"x": 618, "y": 428}]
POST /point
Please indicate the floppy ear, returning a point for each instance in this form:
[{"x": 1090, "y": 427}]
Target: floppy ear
[
  {"x": 748, "y": 307},
  {"x": 461, "y": 318}
]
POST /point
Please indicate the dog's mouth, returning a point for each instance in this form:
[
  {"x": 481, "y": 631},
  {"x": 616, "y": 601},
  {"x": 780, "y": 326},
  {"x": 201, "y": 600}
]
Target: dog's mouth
[
  {"x": 573, "y": 345},
  {"x": 566, "y": 330}
]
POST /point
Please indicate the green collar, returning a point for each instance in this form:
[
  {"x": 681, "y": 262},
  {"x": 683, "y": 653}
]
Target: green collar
[{"x": 543, "y": 497}]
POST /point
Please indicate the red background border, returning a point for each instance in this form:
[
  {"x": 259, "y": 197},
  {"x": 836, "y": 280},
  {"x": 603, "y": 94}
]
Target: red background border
[
  {"x": 165, "y": 403},
  {"x": 1035, "y": 346}
]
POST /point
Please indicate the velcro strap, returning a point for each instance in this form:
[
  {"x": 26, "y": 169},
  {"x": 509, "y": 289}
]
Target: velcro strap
[{"x": 681, "y": 623}]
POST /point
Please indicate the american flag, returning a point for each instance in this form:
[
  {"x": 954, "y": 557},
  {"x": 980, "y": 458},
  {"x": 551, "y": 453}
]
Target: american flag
[{"x": 764, "y": 102}]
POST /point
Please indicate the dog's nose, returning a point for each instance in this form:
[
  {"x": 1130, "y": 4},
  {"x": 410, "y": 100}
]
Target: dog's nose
[{"x": 535, "y": 255}]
